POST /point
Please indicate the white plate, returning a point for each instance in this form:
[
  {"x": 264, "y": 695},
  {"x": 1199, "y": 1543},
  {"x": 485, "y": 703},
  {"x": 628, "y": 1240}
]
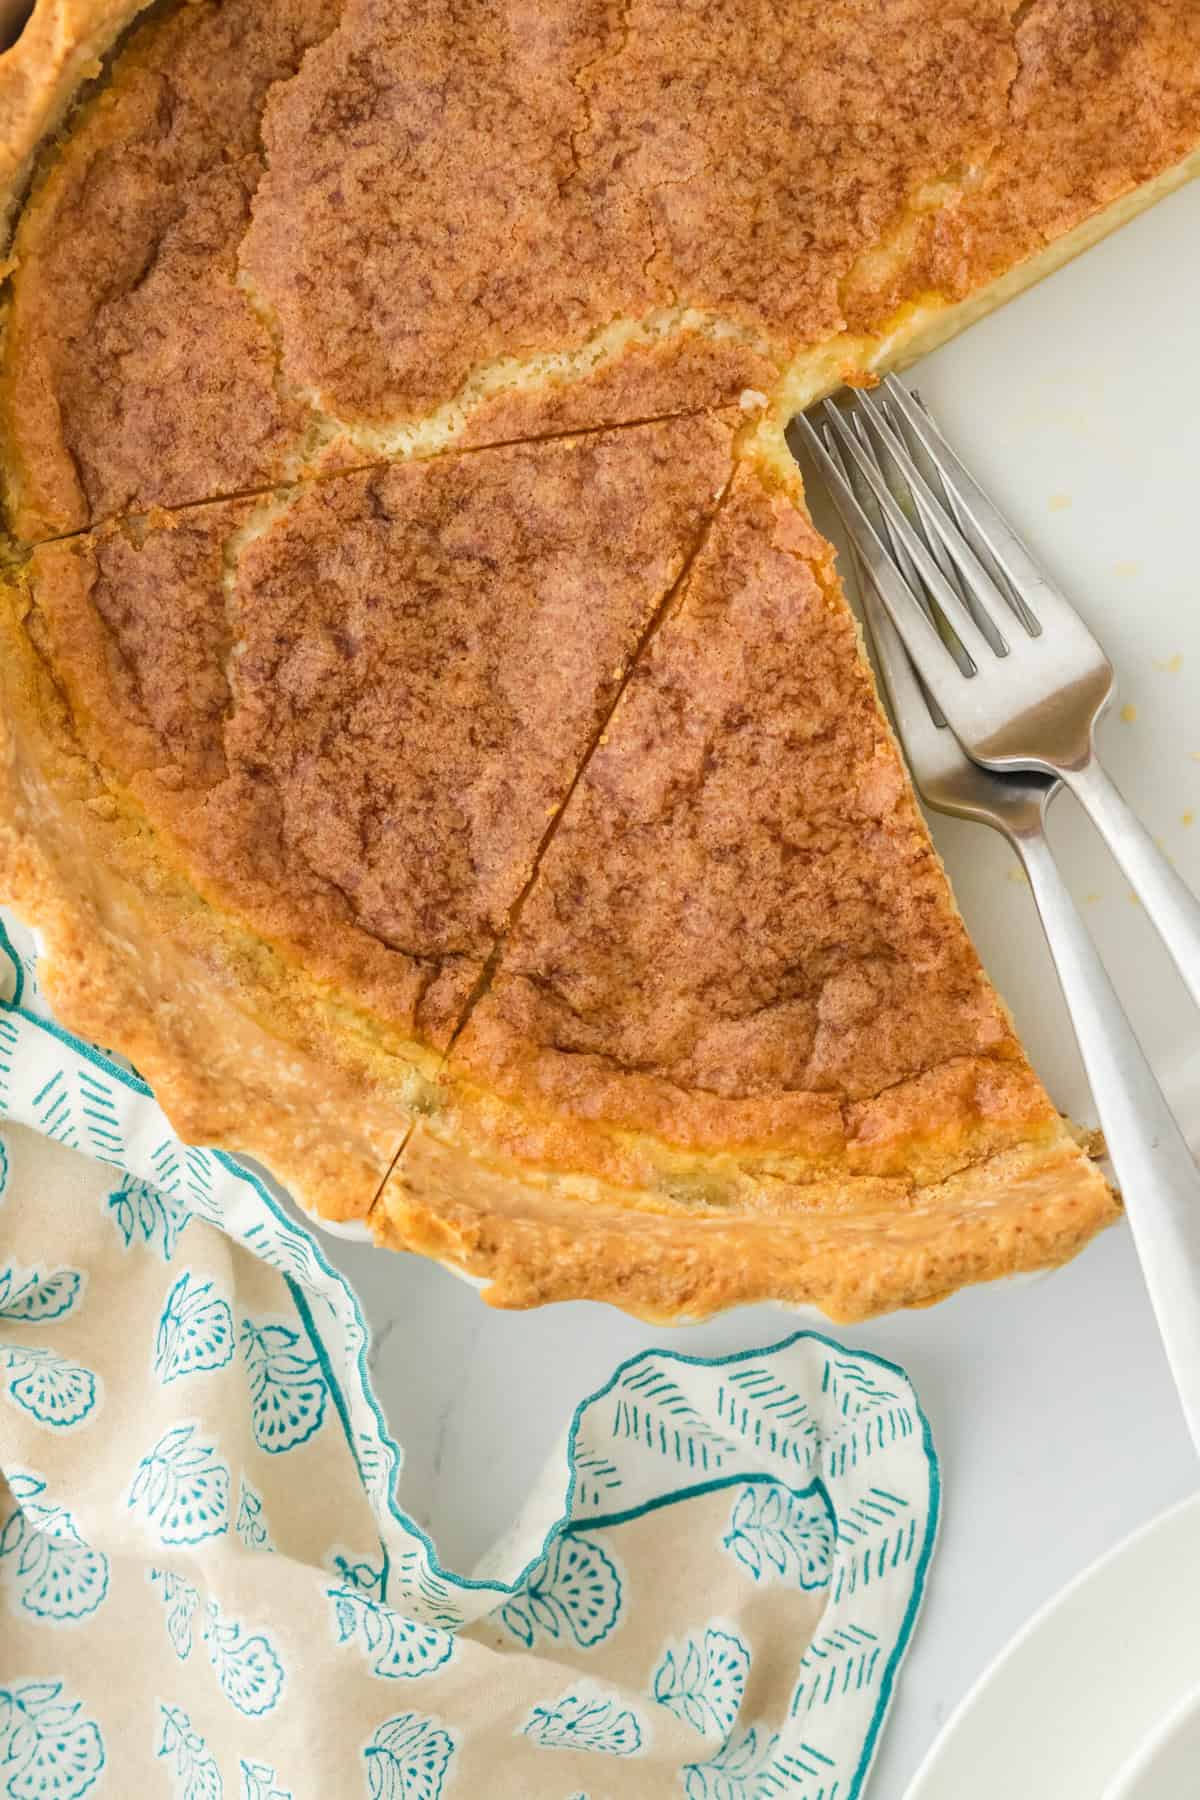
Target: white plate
[
  {"x": 1167, "y": 1767},
  {"x": 1086, "y": 1684}
]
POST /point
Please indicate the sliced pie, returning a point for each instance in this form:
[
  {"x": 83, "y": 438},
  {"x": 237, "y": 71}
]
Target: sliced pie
[
  {"x": 435, "y": 745},
  {"x": 313, "y": 745}
]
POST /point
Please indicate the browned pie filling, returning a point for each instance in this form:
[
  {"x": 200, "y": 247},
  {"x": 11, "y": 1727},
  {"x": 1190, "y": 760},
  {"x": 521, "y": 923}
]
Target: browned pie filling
[{"x": 437, "y": 748}]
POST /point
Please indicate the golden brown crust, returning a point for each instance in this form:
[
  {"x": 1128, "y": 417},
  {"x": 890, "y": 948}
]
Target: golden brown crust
[
  {"x": 59, "y": 48},
  {"x": 531, "y": 1241}
]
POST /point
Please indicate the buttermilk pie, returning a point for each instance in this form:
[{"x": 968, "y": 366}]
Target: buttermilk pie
[{"x": 434, "y": 744}]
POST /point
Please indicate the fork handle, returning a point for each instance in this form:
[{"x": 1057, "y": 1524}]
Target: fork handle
[
  {"x": 1156, "y": 1172},
  {"x": 1170, "y": 904}
]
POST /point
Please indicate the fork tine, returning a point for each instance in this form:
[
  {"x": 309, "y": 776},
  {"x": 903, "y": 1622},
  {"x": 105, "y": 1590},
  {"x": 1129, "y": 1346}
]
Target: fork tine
[
  {"x": 933, "y": 540},
  {"x": 984, "y": 598},
  {"x": 950, "y": 499},
  {"x": 942, "y": 676},
  {"x": 919, "y": 723},
  {"x": 896, "y": 544},
  {"x": 948, "y": 602},
  {"x": 1033, "y": 590},
  {"x": 857, "y": 480},
  {"x": 870, "y": 506},
  {"x": 868, "y": 546}
]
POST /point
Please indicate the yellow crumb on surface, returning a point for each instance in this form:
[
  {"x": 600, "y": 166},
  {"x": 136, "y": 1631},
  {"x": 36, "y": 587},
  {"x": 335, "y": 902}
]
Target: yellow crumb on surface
[
  {"x": 1091, "y": 899},
  {"x": 1126, "y": 568},
  {"x": 1017, "y": 873},
  {"x": 1129, "y": 713},
  {"x": 1188, "y": 817},
  {"x": 1172, "y": 665},
  {"x": 1059, "y": 502},
  {"x": 1132, "y": 898}
]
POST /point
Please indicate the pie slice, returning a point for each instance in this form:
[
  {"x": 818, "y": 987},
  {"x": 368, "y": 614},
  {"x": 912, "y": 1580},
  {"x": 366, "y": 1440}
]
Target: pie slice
[{"x": 433, "y": 742}]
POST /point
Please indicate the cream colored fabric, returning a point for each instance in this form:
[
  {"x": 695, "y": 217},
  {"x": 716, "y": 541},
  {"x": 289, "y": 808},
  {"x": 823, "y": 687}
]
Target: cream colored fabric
[{"x": 208, "y": 1585}]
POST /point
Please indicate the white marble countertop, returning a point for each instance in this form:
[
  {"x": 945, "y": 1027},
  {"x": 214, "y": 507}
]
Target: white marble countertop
[{"x": 1050, "y": 1401}]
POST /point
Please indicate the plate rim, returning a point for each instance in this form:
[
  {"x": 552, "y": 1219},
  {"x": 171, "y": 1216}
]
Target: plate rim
[
  {"x": 1140, "y": 1762},
  {"x": 927, "y": 1771}
]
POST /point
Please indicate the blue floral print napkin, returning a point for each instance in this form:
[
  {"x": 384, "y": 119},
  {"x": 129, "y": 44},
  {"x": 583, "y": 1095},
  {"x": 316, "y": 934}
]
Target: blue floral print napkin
[{"x": 209, "y": 1586}]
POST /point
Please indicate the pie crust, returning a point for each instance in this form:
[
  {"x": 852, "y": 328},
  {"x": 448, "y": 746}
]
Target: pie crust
[{"x": 436, "y": 749}]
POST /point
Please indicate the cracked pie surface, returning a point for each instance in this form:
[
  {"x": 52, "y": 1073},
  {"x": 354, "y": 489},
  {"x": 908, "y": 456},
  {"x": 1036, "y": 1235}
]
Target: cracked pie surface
[{"x": 435, "y": 745}]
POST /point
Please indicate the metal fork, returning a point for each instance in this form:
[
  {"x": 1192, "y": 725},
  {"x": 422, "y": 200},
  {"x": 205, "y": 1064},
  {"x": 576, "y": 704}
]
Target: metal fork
[
  {"x": 1154, "y": 1166},
  {"x": 1009, "y": 661}
]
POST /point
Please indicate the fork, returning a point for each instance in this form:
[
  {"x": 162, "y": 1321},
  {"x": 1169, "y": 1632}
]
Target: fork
[
  {"x": 1154, "y": 1166},
  {"x": 1010, "y": 663}
]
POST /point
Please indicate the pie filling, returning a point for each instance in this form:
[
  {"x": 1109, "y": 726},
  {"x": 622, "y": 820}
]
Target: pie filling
[{"x": 438, "y": 748}]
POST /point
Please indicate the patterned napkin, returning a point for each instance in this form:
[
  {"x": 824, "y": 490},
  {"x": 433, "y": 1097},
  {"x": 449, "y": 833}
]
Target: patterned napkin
[{"x": 209, "y": 1587}]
